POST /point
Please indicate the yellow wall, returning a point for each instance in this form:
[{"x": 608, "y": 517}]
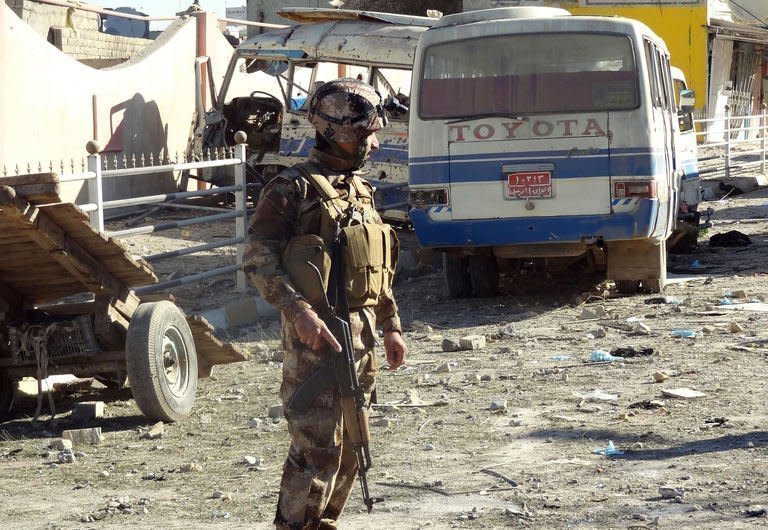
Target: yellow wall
[{"x": 683, "y": 28}]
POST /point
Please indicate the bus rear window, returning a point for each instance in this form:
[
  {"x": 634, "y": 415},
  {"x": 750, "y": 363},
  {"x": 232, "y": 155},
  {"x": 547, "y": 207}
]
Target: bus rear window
[{"x": 528, "y": 73}]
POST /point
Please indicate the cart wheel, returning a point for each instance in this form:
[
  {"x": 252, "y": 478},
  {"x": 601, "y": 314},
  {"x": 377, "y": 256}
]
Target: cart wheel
[
  {"x": 161, "y": 361},
  {"x": 7, "y": 394}
]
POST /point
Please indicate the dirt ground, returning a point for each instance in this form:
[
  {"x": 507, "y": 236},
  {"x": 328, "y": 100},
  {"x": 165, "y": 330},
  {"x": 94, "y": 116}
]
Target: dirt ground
[{"x": 513, "y": 434}]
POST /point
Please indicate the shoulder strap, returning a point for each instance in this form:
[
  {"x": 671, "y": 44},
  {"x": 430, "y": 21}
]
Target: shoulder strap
[
  {"x": 319, "y": 182},
  {"x": 362, "y": 188}
]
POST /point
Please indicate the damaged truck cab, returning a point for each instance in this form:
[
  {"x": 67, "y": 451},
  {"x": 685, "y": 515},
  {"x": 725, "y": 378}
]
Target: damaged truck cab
[{"x": 325, "y": 44}]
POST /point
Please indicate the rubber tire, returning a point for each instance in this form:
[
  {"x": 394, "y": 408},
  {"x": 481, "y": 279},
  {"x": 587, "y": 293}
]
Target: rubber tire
[
  {"x": 456, "y": 275},
  {"x": 627, "y": 286},
  {"x": 7, "y": 394},
  {"x": 656, "y": 286},
  {"x": 163, "y": 386},
  {"x": 483, "y": 275}
]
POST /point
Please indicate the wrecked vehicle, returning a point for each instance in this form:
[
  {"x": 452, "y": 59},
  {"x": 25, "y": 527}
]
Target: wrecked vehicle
[
  {"x": 510, "y": 171},
  {"x": 67, "y": 306},
  {"x": 325, "y": 44}
]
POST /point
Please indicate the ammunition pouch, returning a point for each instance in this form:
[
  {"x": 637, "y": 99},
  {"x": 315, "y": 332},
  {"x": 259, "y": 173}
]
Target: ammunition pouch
[
  {"x": 370, "y": 262},
  {"x": 299, "y": 253}
]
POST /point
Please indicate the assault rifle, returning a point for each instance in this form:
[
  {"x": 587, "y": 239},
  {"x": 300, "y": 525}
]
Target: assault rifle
[{"x": 342, "y": 370}]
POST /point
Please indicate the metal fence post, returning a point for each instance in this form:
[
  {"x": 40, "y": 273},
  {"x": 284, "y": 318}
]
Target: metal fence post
[
  {"x": 727, "y": 128},
  {"x": 762, "y": 138},
  {"x": 241, "y": 206},
  {"x": 95, "y": 193}
]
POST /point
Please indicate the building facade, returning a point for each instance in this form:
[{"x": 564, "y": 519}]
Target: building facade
[{"x": 720, "y": 45}]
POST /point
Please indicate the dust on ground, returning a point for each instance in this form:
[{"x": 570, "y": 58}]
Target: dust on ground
[{"x": 509, "y": 435}]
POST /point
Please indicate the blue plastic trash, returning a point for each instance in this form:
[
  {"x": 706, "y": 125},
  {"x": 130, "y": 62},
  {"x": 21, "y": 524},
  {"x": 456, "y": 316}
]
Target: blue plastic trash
[
  {"x": 695, "y": 264},
  {"x": 610, "y": 450},
  {"x": 726, "y": 301},
  {"x": 684, "y": 333}
]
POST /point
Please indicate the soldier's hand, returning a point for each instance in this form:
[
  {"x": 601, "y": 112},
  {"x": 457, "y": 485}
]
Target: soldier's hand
[
  {"x": 395, "y": 348},
  {"x": 313, "y": 332}
]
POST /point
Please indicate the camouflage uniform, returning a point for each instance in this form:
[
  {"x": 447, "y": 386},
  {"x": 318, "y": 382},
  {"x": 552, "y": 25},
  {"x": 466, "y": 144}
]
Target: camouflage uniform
[{"x": 320, "y": 469}]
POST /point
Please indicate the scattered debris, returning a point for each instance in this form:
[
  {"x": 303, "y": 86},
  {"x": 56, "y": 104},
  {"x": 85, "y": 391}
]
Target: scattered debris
[
  {"x": 90, "y": 436},
  {"x": 609, "y": 450},
  {"x": 629, "y": 351},
  {"x": 472, "y": 342},
  {"x": 732, "y": 238},
  {"x": 671, "y": 492},
  {"x": 155, "y": 432},
  {"x": 683, "y": 393}
]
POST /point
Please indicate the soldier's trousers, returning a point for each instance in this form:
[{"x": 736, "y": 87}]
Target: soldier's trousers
[{"x": 321, "y": 467}]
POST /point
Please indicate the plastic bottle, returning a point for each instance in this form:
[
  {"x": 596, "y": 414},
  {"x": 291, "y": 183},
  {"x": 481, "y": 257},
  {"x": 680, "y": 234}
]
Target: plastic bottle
[{"x": 684, "y": 333}]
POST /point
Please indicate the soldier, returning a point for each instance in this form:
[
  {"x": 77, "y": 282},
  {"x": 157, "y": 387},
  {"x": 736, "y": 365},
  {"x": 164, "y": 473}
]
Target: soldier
[{"x": 295, "y": 220}]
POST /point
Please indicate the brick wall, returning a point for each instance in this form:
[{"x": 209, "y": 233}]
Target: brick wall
[
  {"x": 78, "y": 34},
  {"x": 94, "y": 47}
]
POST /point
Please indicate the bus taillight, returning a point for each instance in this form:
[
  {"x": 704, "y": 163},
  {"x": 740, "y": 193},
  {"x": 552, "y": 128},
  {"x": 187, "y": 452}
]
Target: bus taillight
[{"x": 634, "y": 188}]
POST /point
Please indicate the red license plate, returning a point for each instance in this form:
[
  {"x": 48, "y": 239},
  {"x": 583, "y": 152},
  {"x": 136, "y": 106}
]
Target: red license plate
[{"x": 529, "y": 185}]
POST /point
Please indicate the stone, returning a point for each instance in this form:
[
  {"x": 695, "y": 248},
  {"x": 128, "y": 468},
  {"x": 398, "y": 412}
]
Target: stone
[
  {"x": 252, "y": 460},
  {"x": 449, "y": 345},
  {"x": 255, "y": 423},
  {"x": 486, "y": 377},
  {"x": 640, "y": 329},
  {"x": 735, "y": 327},
  {"x": 66, "y": 457},
  {"x": 275, "y": 412},
  {"x": 190, "y": 467},
  {"x": 671, "y": 492},
  {"x": 597, "y": 333},
  {"x": 498, "y": 405},
  {"x": 155, "y": 432},
  {"x": 472, "y": 342},
  {"x": 660, "y": 377},
  {"x": 90, "y": 436},
  {"x": 443, "y": 368},
  {"x": 382, "y": 422}
]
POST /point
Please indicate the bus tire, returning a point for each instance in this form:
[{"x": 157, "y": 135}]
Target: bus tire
[
  {"x": 456, "y": 275},
  {"x": 483, "y": 275},
  {"x": 161, "y": 361},
  {"x": 656, "y": 285}
]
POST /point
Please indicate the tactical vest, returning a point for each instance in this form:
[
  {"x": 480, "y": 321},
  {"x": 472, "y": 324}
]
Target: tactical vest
[{"x": 370, "y": 253}]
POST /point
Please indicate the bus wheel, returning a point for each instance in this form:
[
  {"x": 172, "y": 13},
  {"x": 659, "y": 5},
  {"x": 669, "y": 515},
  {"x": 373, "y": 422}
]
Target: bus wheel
[
  {"x": 657, "y": 284},
  {"x": 483, "y": 275},
  {"x": 456, "y": 275}
]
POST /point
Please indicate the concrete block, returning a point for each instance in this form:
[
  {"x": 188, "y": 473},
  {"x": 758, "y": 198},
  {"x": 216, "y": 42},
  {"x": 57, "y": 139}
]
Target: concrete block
[
  {"x": 87, "y": 411},
  {"x": 472, "y": 342},
  {"x": 90, "y": 436}
]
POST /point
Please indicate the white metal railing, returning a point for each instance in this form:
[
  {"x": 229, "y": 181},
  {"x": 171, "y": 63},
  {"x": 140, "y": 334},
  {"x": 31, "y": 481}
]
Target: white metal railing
[
  {"x": 96, "y": 205},
  {"x": 732, "y": 143}
]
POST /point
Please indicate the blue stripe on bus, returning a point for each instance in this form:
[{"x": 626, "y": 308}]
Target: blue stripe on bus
[
  {"x": 562, "y": 229},
  {"x": 484, "y": 168}
]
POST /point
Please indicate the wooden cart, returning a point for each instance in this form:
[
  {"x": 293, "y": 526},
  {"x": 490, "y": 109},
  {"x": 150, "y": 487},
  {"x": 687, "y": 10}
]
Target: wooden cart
[{"x": 66, "y": 307}]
